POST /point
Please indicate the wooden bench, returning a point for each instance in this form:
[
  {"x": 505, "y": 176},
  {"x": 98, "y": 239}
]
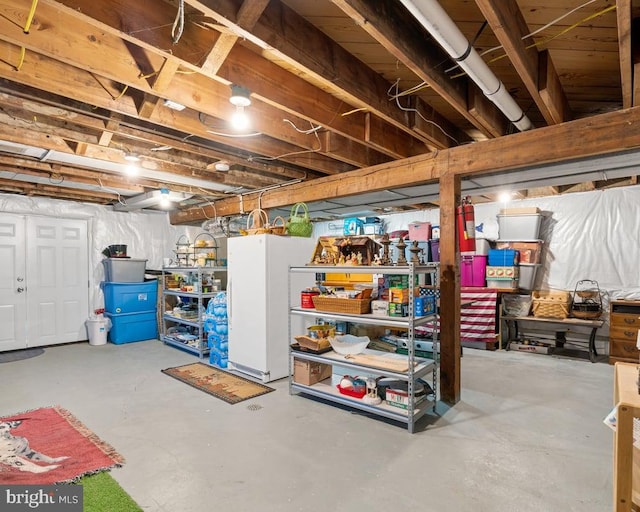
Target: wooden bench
[{"x": 594, "y": 325}]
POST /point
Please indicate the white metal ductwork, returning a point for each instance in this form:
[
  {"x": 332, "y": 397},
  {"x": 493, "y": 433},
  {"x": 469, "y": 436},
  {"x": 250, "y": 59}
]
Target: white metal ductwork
[
  {"x": 150, "y": 200},
  {"x": 435, "y": 19}
]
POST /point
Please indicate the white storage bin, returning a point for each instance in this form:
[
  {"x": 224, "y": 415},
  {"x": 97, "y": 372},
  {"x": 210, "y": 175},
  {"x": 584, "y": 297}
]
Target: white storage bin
[
  {"x": 527, "y": 276},
  {"x": 519, "y": 227},
  {"x": 504, "y": 284}
]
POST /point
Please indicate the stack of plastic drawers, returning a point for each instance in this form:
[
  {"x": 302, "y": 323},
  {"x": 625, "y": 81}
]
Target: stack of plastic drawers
[
  {"x": 130, "y": 302},
  {"x": 520, "y": 232}
]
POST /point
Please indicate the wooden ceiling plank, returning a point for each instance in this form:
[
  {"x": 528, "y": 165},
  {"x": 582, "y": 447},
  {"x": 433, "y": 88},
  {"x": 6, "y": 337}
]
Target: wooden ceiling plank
[
  {"x": 40, "y": 109},
  {"x": 551, "y": 91},
  {"x": 624, "y": 17},
  {"x": 147, "y": 105},
  {"x": 196, "y": 91},
  {"x": 105, "y": 138},
  {"x": 308, "y": 49},
  {"x": 267, "y": 81},
  {"x": 332, "y": 142},
  {"x": 163, "y": 78},
  {"x": 60, "y": 192},
  {"x": 70, "y": 175},
  {"x": 248, "y": 16},
  {"x": 295, "y": 96},
  {"x": 404, "y": 38},
  {"x": 426, "y": 122},
  {"x": 509, "y": 26},
  {"x": 379, "y": 135},
  {"x": 53, "y": 76}
]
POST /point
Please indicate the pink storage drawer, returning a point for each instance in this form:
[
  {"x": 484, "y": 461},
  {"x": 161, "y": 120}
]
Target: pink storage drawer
[{"x": 472, "y": 270}]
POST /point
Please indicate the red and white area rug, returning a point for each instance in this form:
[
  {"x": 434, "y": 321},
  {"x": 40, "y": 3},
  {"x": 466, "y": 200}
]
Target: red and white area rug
[{"x": 48, "y": 446}]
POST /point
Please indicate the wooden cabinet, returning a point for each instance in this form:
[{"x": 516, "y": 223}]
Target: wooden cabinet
[
  {"x": 626, "y": 456},
  {"x": 624, "y": 321}
]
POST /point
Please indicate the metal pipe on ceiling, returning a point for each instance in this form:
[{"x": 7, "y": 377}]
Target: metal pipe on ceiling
[{"x": 442, "y": 28}]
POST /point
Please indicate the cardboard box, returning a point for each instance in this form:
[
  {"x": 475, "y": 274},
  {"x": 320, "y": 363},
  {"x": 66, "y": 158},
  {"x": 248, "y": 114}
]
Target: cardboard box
[
  {"x": 524, "y": 210},
  {"x": 399, "y": 295},
  {"x": 400, "y": 398},
  {"x": 380, "y": 307},
  {"x": 396, "y": 309},
  {"x": 538, "y": 349},
  {"x": 310, "y": 372}
]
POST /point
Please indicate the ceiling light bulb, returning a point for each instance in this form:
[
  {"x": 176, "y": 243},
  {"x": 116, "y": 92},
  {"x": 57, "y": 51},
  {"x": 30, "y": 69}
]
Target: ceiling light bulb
[
  {"x": 131, "y": 157},
  {"x": 132, "y": 169},
  {"x": 221, "y": 166},
  {"x": 240, "y": 96},
  {"x": 239, "y": 119},
  {"x": 505, "y": 197},
  {"x": 165, "y": 202}
]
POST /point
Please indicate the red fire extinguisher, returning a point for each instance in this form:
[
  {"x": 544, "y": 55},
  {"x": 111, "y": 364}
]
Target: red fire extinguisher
[{"x": 466, "y": 226}]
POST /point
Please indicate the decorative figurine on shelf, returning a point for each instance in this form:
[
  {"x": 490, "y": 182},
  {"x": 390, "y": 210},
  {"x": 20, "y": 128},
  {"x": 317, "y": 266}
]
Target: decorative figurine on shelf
[
  {"x": 415, "y": 251},
  {"x": 386, "y": 260},
  {"x": 401, "y": 246},
  {"x": 376, "y": 260},
  {"x": 372, "y": 397},
  {"x": 341, "y": 260}
]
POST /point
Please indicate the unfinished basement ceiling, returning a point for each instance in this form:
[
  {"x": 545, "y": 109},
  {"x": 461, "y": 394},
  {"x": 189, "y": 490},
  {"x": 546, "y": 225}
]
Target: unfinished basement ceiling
[{"x": 335, "y": 86}]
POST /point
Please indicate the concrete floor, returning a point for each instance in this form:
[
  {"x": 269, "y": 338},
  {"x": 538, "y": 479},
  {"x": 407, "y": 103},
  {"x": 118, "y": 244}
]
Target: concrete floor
[{"x": 526, "y": 436}]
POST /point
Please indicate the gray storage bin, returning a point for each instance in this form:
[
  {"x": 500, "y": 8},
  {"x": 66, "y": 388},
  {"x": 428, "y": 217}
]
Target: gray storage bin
[
  {"x": 124, "y": 270},
  {"x": 519, "y": 227}
]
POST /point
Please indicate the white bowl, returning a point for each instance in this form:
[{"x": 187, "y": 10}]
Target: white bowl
[{"x": 349, "y": 344}]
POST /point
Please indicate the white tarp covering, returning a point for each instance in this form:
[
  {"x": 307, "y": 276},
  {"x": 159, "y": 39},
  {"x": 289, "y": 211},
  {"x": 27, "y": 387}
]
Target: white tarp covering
[
  {"x": 147, "y": 235},
  {"x": 589, "y": 235}
]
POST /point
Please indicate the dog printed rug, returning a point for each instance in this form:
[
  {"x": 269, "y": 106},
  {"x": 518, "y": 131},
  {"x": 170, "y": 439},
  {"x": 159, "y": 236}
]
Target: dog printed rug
[{"x": 49, "y": 446}]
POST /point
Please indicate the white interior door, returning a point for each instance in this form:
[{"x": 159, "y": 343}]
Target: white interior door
[
  {"x": 13, "y": 298},
  {"x": 57, "y": 280}
]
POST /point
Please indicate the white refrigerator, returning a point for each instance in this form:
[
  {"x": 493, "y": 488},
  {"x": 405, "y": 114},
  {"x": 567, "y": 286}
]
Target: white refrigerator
[{"x": 258, "y": 305}]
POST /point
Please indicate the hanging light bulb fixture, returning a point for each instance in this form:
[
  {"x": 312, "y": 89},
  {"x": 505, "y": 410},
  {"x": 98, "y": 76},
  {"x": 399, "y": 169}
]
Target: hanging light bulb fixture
[
  {"x": 240, "y": 98},
  {"x": 132, "y": 168},
  {"x": 165, "y": 202}
]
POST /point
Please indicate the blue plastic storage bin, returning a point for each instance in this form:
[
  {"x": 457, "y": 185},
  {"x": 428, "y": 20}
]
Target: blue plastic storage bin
[
  {"x": 130, "y": 297},
  {"x": 129, "y": 327},
  {"x": 503, "y": 257}
]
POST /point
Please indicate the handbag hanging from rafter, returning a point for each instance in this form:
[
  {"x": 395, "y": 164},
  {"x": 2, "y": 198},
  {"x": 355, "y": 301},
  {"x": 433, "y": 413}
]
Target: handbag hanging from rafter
[{"x": 299, "y": 224}]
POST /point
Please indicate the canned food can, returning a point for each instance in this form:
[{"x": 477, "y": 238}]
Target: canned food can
[{"x": 306, "y": 298}]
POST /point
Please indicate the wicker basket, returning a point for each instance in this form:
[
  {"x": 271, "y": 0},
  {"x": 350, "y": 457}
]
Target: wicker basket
[
  {"x": 551, "y": 303},
  {"x": 278, "y": 229},
  {"x": 339, "y": 305}
]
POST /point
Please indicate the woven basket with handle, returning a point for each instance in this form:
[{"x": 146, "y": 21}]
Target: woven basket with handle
[
  {"x": 257, "y": 223},
  {"x": 278, "y": 226},
  {"x": 551, "y": 303}
]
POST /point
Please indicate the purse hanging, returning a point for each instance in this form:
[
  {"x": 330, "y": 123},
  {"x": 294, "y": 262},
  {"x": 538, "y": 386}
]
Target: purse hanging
[{"x": 299, "y": 224}]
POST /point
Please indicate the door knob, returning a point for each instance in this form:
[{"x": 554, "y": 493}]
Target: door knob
[
  {"x": 20, "y": 279},
  {"x": 20, "y": 290}
]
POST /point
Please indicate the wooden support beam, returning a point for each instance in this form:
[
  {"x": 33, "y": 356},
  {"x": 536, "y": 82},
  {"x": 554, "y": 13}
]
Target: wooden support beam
[
  {"x": 608, "y": 133},
  {"x": 449, "y": 290},
  {"x": 538, "y": 75},
  {"x": 248, "y": 16},
  {"x": 624, "y": 16}
]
